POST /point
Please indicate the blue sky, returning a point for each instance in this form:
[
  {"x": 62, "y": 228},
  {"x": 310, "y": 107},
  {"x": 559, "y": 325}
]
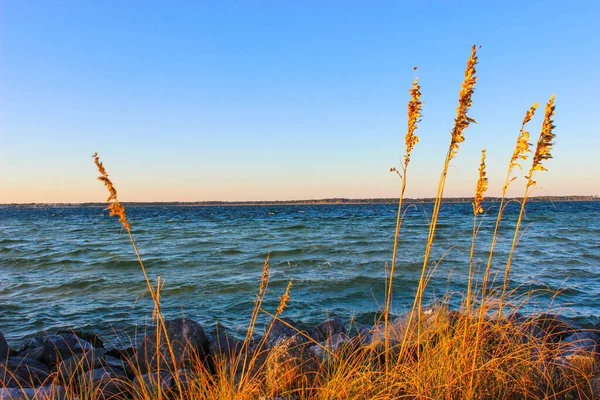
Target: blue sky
[{"x": 259, "y": 100}]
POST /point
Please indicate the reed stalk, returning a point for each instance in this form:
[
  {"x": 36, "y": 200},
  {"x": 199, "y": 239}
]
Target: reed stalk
[
  {"x": 414, "y": 114},
  {"x": 542, "y": 153},
  {"x": 480, "y": 188},
  {"x": 461, "y": 122},
  {"x": 520, "y": 152},
  {"x": 116, "y": 209}
]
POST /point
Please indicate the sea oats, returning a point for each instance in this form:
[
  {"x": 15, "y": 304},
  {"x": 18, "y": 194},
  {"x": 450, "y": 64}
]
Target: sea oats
[
  {"x": 544, "y": 143},
  {"x": 283, "y": 300},
  {"x": 462, "y": 120},
  {"x": 414, "y": 115},
  {"x": 482, "y": 184},
  {"x": 114, "y": 206}
]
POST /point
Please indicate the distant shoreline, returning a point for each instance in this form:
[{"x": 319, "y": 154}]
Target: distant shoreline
[{"x": 328, "y": 201}]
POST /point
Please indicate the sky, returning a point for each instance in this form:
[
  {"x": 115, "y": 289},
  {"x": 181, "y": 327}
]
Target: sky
[{"x": 279, "y": 100}]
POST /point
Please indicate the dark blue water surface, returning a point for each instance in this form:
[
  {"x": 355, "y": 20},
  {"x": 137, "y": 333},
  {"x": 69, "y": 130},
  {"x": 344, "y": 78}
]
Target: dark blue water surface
[{"x": 75, "y": 266}]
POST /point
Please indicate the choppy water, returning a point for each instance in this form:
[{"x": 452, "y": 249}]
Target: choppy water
[{"x": 74, "y": 266}]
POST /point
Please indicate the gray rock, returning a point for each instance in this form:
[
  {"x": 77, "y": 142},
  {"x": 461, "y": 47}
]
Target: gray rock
[
  {"x": 333, "y": 345},
  {"x": 225, "y": 345},
  {"x": 288, "y": 358},
  {"x": 118, "y": 363},
  {"x": 23, "y": 372},
  {"x": 328, "y": 328},
  {"x": 188, "y": 342},
  {"x": 50, "y": 392},
  {"x": 578, "y": 350},
  {"x": 280, "y": 330},
  {"x": 51, "y": 349},
  {"x": 80, "y": 363},
  {"x": 585, "y": 341},
  {"x": 89, "y": 337},
  {"x": 150, "y": 383},
  {"x": 4, "y": 349},
  {"x": 108, "y": 383},
  {"x": 36, "y": 353},
  {"x": 553, "y": 327}
]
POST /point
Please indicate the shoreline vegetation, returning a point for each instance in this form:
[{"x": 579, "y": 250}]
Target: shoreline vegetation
[
  {"x": 485, "y": 349},
  {"x": 325, "y": 201}
]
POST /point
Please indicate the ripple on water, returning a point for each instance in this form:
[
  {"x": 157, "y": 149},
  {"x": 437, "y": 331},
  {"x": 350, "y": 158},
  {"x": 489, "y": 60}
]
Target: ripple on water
[{"x": 75, "y": 266}]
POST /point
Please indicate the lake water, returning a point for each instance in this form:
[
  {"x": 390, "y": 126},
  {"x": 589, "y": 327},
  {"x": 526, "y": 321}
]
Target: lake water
[{"x": 74, "y": 266}]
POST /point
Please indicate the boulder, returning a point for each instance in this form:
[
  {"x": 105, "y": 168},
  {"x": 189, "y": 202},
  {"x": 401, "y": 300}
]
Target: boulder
[
  {"x": 118, "y": 363},
  {"x": 286, "y": 360},
  {"x": 23, "y": 372},
  {"x": 279, "y": 330},
  {"x": 89, "y": 337},
  {"x": 187, "y": 340},
  {"x": 552, "y": 327},
  {"x": 80, "y": 363},
  {"x": 51, "y": 349},
  {"x": 107, "y": 383},
  {"x": 328, "y": 328},
  {"x": 148, "y": 385},
  {"x": 584, "y": 341},
  {"x": 50, "y": 392},
  {"x": 325, "y": 350},
  {"x": 225, "y": 345},
  {"x": 4, "y": 349}
]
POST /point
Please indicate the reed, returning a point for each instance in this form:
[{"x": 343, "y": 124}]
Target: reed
[
  {"x": 542, "y": 153},
  {"x": 411, "y": 139},
  {"x": 461, "y": 122}
]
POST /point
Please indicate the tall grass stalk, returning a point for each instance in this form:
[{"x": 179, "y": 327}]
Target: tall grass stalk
[
  {"x": 461, "y": 122},
  {"x": 519, "y": 153},
  {"x": 116, "y": 209},
  {"x": 480, "y": 189},
  {"x": 542, "y": 153},
  {"x": 414, "y": 114}
]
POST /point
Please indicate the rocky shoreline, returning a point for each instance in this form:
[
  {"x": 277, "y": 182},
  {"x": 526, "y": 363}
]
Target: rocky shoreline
[{"x": 46, "y": 366}]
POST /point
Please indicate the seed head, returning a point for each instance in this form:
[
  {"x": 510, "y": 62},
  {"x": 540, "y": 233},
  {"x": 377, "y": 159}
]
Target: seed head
[
  {"x": 414, "y": 115},
  {"x": 544, "y": 143},
  {"x": 114, "y": 206},
  {"x": 284, "y": 299},
  {"x": 462, "y": 120},
  {"x": 482, "y": 185}
]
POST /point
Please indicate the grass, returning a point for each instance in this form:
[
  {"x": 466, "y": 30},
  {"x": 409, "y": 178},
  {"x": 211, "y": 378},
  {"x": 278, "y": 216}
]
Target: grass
[{"x": 485, "y": 351}]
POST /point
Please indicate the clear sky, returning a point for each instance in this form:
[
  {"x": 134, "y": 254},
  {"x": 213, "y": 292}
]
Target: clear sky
[{"x": 265, "y": 100}]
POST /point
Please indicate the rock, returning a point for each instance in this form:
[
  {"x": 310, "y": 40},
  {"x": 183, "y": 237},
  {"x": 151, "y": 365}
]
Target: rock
[
  {"x": 286, "y": 360},
  {"x": 118, "y": 363},
  {"x": 23, "y": 372},
  {"x": 51, "y": 349},
  {"x": 4, "y": 348},
  {"x": 36, "y": 353},
  {"x": 50, "y": 392},
  {"x": 80, "y": 363},
  {"x": 333, "y": 345},
  {"x": 108, "y": 383},
  {"x": 552, "y": 327},
  {"x": 225, "y": 345},
  {"x": 578, "y": 351},
  {"x": 280, "y": 329},
  {"x": 126, "y": 353},
  {"x": 149, "y": 384},
  {"x": 89, "y": 337},
  {"x": 188, "y": 342},
  {"x": 585, "y": 341},
  {"x": 328, "y": 328}
]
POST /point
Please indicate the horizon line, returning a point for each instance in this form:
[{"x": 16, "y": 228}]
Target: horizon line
[{"x": 324, "y": 201}]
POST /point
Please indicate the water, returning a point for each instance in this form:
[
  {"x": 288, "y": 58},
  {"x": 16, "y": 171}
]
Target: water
[{"x": 74, "y": 266}]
